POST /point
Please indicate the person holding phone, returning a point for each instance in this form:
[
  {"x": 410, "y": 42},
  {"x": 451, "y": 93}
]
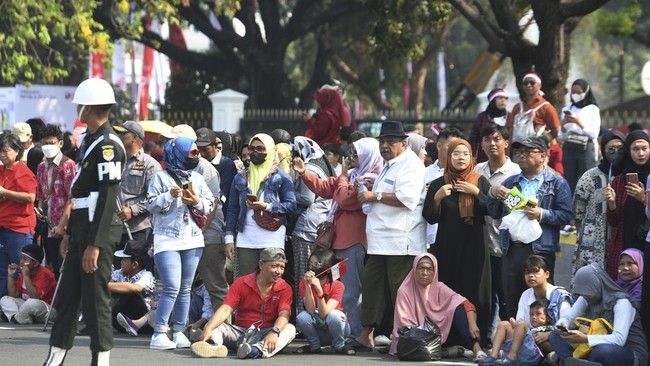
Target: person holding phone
[{"x": 626, "y": 200}]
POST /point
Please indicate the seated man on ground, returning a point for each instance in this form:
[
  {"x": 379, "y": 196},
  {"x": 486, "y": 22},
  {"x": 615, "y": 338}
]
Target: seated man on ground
[
  {"x": 132, "y": 289},
  {"x": 200, "y": 311},
  {"x": 262, "y": 300},
  {"x": 30, "y": 295}
]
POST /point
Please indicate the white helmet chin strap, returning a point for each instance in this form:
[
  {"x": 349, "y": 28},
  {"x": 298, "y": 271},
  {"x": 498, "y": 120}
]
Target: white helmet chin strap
[{"x": 81, "y": 111}]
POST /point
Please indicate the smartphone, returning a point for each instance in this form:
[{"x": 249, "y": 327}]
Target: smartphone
[
  {"x": 251, "y": 197},
  {"x": 187, "y": 188},
  {"x": 632, "y": 178},
  {"x": 567, "y": 113},
  {"x": 562, "y": 328}
]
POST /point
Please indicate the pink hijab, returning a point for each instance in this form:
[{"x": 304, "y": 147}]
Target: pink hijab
[{"x": 414, "y": 302}]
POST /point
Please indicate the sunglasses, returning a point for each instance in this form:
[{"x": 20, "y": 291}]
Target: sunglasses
[
  {"x": 529, "y": 82},
  {"x": 258, "y": 148}
]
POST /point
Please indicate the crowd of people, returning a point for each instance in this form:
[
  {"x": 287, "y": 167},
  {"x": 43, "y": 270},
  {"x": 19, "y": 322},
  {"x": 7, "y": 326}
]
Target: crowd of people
[{"x": 208, "y": 242}]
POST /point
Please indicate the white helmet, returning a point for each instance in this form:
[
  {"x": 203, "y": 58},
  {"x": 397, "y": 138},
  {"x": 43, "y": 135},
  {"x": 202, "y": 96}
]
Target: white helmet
[{"x": 94, "y": 91}]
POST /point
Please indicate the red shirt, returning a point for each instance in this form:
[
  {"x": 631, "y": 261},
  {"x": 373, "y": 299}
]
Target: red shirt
[
  {"x": 16, "y": 216},
  {"x": 245, "y": 297},
  {"x": 331, "y": 290},
  {"x": 44, "y": 282}
]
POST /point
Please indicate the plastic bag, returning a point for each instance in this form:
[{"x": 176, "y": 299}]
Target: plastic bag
[
  {"x": 521, "y": 228},
  {"x": 420, "y": 343}
]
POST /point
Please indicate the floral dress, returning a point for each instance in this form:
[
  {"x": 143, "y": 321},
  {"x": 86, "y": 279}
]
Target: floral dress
[{"x": 590, "y": 213}]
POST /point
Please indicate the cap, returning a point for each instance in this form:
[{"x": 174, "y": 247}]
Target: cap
[
  {"x": 133, "y": 127},
  {"x": 134, "y": 248},
  {"x": 495, "y": 93},
  {"x": 205, "y": 137},
  {"x": 33, "y": 251},
  {"x": 534, "y": 142},
  {"x": 273, "y": 254},
  {"x": 181, "y": 131},
  {"x": 22, "y": 130}
]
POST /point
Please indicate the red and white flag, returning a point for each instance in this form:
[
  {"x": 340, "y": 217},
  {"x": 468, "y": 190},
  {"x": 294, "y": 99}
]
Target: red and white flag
[{"x": 338, "y": 270}]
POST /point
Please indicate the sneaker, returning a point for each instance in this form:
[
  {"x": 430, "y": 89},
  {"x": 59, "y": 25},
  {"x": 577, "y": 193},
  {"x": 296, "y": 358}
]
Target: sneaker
[
  {"x": 487, "y": 361},
  {"x": 245, "y": 350},
  {"x": 507, "y": 361},
  {"x": 552, "y": 358},
  {"x": 161, "y": 341},
  {"x": 206, "y": 350},
  {"x": 126, "y": 323},
  {"x": 382, "y": 341},
  {"x": 181, "y": 340},
  {"x": 347, "y": 350}
]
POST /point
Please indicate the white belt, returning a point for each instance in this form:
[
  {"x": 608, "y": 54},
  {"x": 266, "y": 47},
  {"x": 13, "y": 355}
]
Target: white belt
[{"x": 79, "y": 203}]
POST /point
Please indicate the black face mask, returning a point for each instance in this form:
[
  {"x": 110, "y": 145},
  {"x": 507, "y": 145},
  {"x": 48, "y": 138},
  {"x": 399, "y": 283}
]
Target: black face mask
[
  {"x": 615, "y": 158},
  {"x": 191, "y": 163},
  {"x": 246, "y": 163},
  {"x": 257, "y": 158}
]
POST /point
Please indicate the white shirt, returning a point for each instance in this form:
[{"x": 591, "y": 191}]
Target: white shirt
[
  {"x": 398, "y": 230},
  {"x": 431, "y": 173},
  {"x": 590, "y": 118},
  {"x": 496, "y": 178},
  {"x": 528, "y": 297},
  {"x": 254, "y": 237}
]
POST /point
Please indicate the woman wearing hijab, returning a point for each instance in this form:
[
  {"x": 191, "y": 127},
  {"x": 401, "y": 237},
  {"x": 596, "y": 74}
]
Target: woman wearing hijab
[
  {"x": 457, "y": 202},
  {"x": 260, "y": 187},
  {"x": 601, "y": 297},
  {"x": 177, "y": 198},
  {"x": 630, "y": 274},
  {"x": 579, "y": 130},
  {"x": 626, "y": 198},
  {"x": 364, "y": 164},
  {"x": 417, "y": 144},
  {"x": 422, "y": 295},
  {"x": 496, "y": 112},
  {"x": 323, "y": 127},
  {"x": 590, "y": 205}
]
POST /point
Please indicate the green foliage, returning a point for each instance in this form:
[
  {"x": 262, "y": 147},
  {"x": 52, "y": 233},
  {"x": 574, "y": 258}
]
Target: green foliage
[
  {"x": 42, "y": 41},
  {"x": 620, "y": 20}
]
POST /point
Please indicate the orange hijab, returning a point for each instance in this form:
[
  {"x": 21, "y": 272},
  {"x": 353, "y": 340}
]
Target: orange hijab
[{"x": 453, "y": 176}]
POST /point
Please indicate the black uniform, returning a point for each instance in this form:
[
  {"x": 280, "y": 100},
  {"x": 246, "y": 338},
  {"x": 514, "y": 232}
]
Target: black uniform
[{"x": 99, "y": 168}]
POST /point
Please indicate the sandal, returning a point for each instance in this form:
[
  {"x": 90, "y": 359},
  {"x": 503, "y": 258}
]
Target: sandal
[
  {"x": 480, "y": 356},
  {"x": 453, "y": 352},
  {"x": 306, "y": 349},
  {"x": 358, "y": 346}
]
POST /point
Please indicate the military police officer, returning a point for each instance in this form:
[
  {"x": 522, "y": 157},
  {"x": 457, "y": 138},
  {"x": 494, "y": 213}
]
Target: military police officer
[{"x": 93, "y": 229}]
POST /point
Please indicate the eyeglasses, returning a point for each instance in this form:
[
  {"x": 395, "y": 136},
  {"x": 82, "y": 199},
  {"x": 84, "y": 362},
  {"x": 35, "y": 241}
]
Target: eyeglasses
[
  {"x": 389, "y": 141},
  {"x": 424, "y": 269},
  {"x": 258, "y": 148},
  {"x": 526, "y": 153},
  {"x": 458, "y": 154},
  {"x": 529, "y": 82},
  {"x": 614, "y": 149}
]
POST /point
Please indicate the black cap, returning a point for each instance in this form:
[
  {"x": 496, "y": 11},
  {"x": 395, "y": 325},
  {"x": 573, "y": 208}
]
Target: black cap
[
  {"x": 33, "y": 251},
  {"x": 136, "y": 248},
  {"x": 133, "y": 127},
  {"x": 392, "y": 128},
  {"x": 534, "y": 142},
  {"x": 205, "y": 137}
]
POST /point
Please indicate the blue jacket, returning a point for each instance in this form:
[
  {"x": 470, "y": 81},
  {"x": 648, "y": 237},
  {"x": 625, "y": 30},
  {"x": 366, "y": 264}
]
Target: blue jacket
[
  {"x": 278, "y": 191},
  {"x": 553, "y": 197}
]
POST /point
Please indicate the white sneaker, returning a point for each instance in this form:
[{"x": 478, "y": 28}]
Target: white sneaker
[
  {"x": 181, "y": 340},
  {"x": 382, "y": 341},
  {"x": 206, "y": 350},
  {"x": 161, "y": 341}
]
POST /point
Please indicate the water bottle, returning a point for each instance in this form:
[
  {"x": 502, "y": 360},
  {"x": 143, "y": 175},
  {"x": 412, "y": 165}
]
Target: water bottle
[{"x": 367, "y": 206}]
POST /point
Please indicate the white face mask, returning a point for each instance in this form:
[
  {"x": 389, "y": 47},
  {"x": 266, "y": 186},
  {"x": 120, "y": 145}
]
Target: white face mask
[
  {"x": 577, "y": 98},
  {"x": 50, "y": 151},
  {"x": 81, "y": 111}
]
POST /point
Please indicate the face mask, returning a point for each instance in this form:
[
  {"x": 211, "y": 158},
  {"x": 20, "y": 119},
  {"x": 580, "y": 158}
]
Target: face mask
[
  {"x": 501, "y": 121},
  {"x": 615, "y": 158},
  {"x": 246, "y": 163},
  {"x": 577, "y": 98},
  {"x": 50, "y": 151},
  {"x": 191, "y": 163},
  {"x": 81, "y": 111},
  {"x": 257, "y": 158}
]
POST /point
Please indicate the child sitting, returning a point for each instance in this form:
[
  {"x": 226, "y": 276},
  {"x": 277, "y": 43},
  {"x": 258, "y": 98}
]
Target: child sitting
[
  {"x": 519, "y": 347},
  {"x": 132, "y": 288}
]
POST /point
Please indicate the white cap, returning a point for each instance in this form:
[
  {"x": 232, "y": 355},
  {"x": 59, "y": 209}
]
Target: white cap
[
  {"x": 22, "y": 130},
  {"x": 181, "y": 131}
]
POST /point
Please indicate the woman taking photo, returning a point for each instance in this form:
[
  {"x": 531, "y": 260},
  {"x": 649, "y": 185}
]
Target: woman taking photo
[
  {"x": 17, "y": 195},
  {"x": 346, "y": 216},
  {"x": 179, "y": 201}
]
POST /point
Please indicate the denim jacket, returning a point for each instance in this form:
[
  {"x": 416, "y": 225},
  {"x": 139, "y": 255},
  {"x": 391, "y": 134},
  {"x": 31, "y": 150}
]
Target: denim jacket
[
  {"x": 553, "y": 197},
  {"x": 168, "y": 212},
  {"x": 279, "y": 192}
]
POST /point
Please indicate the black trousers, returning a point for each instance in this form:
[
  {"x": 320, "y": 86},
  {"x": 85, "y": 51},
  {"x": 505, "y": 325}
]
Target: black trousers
[
  {"x": 131, "y": 305},
  {"x": 51, "y": 246},
  {"x": 86, "y": 291},
  {"x": 512, "y": 273}
]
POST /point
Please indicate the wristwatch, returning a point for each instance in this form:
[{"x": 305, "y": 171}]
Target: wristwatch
[
  {"x": 275, "y": 330},
  {"x": 379, "y": 196}
]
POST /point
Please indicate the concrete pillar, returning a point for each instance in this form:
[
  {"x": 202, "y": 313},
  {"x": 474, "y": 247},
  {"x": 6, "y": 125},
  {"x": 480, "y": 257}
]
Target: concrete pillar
[{"x": 227, "y": 110}]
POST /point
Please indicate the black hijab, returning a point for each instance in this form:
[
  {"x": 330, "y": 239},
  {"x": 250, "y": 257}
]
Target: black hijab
[
  {"x": 634, "y": 229},
  {"x": 589, "y": 95},
  {"x": 605, "y": 164},
  {"x": 226, "y": 143},
  {"x": 629, "y": 164},
  {"x": 492, "y": 110}
]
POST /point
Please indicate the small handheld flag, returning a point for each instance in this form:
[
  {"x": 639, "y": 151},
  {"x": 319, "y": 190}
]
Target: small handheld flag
[{"x": 338, "y": 270}]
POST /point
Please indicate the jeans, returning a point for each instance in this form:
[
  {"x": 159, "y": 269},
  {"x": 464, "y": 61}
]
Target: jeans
[
  {"x": 605, "y": 354},
  {"x": 176, "y": 271},
  {"x": 352, "y": 280},
  {"x": 337, "y": 331},
  {"x": 11, "y": 245}
]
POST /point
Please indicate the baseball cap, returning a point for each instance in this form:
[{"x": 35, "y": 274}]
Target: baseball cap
[
  {"x": 133, "y": 127},
  {"x": 134, "y": 248},
  {"x": 272, "y": 255},
  {"x": 22, "y": 130},
  {"x": 33, "y": 251},
  {"x": 205, "y": 137},
  {"x": 534, "y": 142},
  {"x": 181, "y": 131}
]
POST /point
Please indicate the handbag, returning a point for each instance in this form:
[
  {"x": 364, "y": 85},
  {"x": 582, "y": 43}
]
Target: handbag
[
  {"x": 596, "y": 326},
  {"x": 420, "y": 343},
  {"x": 324, "y": 235},
  {"x": 267, "y": 220},
  {"x": 576, "y": 142},
  {"x": 524, "y": 124}
]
